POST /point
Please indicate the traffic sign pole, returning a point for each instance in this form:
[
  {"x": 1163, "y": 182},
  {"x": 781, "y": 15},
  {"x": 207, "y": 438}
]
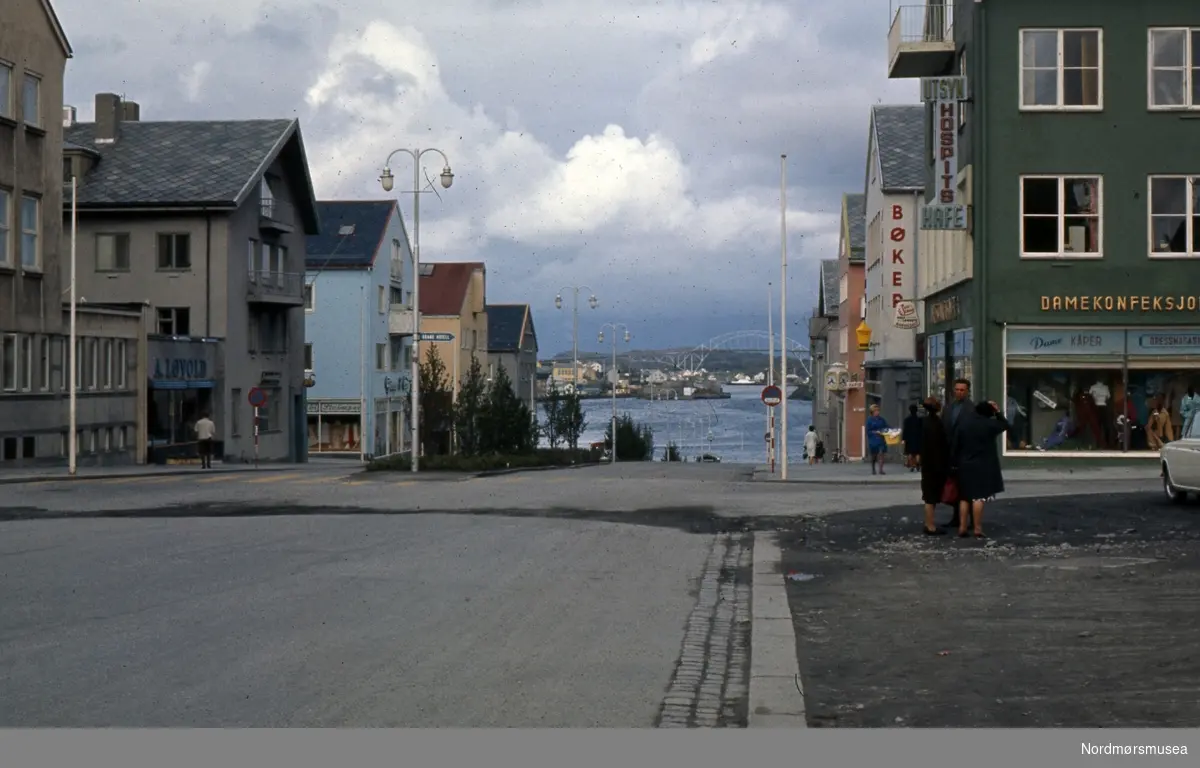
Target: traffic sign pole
[
  {"x": 257, "y": 399},
  {"x": 256, "y": 438}
]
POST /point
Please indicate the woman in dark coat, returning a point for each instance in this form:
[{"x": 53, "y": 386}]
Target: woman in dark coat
[
  {"x": 935, "y": 463},
  {"x": 978, "y": 460},
  {"x": 910, "y": 435}
]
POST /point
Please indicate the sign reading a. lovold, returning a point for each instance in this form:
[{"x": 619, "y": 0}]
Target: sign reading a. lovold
[{"x": 1108, "y": 303}]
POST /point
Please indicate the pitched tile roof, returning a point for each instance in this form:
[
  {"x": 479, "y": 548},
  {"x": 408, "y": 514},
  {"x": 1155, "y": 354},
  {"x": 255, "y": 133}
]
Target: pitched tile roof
[
  {"x": 352, "y": 233},
  {"x": 900, "y": 142},
  {"x": 829, "y": 293},
  {"x": 856, "y": 225},
  {"x": 506, "y": 326},
  {"x": 444, "y": 286},
  {"x": 188, "y": 163}
]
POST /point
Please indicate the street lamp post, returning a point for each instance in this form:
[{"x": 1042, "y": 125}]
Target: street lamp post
[
  {"x": 558, "y": 304},
  {"x": 72, "y": 435},
  {"x": 387, "y": 181},
  {"x": 614, "y": 327},
  {"x": 783, "y": 351}
]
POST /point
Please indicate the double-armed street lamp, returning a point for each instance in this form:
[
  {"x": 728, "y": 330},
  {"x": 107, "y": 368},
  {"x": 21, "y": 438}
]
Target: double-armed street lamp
[
  {"x": 387, "y": 180},
  {"x": 614, "y": 327},
  {"x": 558, "y": 304}
]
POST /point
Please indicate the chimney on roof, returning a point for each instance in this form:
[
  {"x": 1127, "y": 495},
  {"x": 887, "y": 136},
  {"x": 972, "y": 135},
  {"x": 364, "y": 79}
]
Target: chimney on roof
[
  {"x": 109, "y": 112},
  {"x": 69, "y": 116},
  {"x": 131, "y": 111}
]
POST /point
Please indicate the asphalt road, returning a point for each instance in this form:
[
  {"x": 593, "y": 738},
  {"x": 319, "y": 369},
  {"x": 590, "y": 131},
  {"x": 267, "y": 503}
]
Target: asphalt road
[
  {"x": 1078, "y": 612},
  {"x": 414, "y": 621},
  {"x": 315, "y": 596}
]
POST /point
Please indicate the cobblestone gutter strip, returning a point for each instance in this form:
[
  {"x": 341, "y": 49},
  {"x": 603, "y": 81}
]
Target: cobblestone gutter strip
[{"x": 710, "y": 686}]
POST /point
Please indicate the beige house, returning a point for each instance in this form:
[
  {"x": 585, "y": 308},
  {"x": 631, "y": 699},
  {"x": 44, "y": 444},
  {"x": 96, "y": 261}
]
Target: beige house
[{"x": 454, "y": 301}]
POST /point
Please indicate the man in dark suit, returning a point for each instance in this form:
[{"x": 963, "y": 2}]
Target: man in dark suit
[{"x": 956, "y": 413}]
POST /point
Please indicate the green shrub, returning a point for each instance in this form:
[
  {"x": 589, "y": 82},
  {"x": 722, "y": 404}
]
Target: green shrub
[{"x": 557, "y": 457}]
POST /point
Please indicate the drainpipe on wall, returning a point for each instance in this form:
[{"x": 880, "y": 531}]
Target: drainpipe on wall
[
  {"x": 978, "y": 196},
  {"x": 208, "y": 274}
]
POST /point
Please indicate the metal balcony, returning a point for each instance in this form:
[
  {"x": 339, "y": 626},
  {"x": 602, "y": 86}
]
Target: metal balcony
[
  {"x": 921, "y": 41},
  {"x": 275, "y": 215},
  {"x": 281, "y": 289},
  {"x": 400, "y": 320}
]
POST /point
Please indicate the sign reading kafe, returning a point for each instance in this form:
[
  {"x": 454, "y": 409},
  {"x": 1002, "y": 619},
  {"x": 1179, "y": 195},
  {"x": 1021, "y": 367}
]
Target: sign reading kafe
[
  {"x": 944, "y": 217},
  {"x": 1102, "y": 303}
]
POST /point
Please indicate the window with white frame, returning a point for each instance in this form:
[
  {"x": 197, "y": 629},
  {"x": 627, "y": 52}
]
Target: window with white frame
[
  {"x": 106, "y": 364},
  {"x": 122, "y": 364},
  {"x": 1174, "y": 216},
  {"x": 1061, "y": 216},
  {"x": 93, "y": 363},
  {"x": 1174, "y": 68},
  {"x": 381, "y": 354},
  {"x": 6, "y": 80},
  {"x": 25, "y": 363},
  {"x": 844, "y": 341},
  {"x": 308, "y": 357},
  {"x": 843, "y": 289},
  {"x": 383, "y": 299},
  {"x": 31, "y": 100},
  {"x": 1061, "y": 69},
  {"x": 44, "y": 363},
  {"x": 31, "y": 208},
  {"x": 310, "y": 297},
  {"x": 8, "y": 362},
  {"x": 5, "y": 228}
]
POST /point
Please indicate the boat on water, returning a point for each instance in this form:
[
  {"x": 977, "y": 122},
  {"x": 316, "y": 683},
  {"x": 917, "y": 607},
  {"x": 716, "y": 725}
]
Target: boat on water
[{"x": 742, "y": 380}]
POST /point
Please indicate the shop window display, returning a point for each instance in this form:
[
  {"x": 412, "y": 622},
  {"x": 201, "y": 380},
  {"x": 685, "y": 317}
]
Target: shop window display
[
  {"x": 1160, "y": 404},
  {"x": 1066, "y": 410},
  {"x": 935, "y": 366},
  {"x": 961, "y": 353},
  {"x": 334, "y": 434},
  {"x": 1099, "y": 409}
]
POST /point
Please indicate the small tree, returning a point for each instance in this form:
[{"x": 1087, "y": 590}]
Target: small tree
[
  {"x": 469, "y": 410},
  {"x": 552, "y": 406},
  {"x": 672, "y": 452},
  {"x": 634, "y": 442},
  {"x": 506, "y": 426},
  {"x": 435, "y": 397},
  {"x": 571, "y": 421}
]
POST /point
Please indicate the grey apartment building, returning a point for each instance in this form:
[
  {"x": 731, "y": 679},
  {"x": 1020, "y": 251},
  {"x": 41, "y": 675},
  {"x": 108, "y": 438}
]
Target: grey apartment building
[
  {"x": 201, "y": 225},
  {"x": 34, "y": 326}
]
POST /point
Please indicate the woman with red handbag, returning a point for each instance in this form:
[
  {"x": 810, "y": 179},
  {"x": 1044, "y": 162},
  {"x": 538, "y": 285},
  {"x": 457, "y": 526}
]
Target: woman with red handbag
[{"x": 935, "y": 465}]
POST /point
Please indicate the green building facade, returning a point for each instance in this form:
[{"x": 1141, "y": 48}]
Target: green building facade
[{"x": 1081, "y": 135}]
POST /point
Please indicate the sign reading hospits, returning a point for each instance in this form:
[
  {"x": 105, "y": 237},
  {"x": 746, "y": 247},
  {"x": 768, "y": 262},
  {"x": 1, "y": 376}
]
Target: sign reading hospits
[{"x": 1093, "y": 303}]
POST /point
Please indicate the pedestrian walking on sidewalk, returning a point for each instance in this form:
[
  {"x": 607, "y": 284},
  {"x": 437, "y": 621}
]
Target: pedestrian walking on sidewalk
[
  {"x": 979, "y": 474},
  {"x": 876, "y": 442},
  {"x": 205, "y": 431},
  {"x": 935, "y": 464},
  {"x": 810, "y": 444}
]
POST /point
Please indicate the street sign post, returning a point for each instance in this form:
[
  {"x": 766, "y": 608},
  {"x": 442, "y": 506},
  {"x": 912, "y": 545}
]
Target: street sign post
[
  {"x": 443, "y": 337},
  {"x": 772, "y": 395},
  {"x": 257, "y": 399}
]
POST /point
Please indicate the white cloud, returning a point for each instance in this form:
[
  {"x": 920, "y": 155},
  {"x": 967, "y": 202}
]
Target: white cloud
[
  {"x": 194, "y": 79},
  {"x": 625, "y": 188}
]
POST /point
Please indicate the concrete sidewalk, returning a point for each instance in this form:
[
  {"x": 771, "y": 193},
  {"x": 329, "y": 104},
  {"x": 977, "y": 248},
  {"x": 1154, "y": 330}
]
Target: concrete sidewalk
[
  {"x": 46, "y": 474},
  {"x": 856, "y": 473}
]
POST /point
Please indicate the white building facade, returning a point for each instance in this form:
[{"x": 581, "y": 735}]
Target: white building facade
[{"x": 895, "y": 182}]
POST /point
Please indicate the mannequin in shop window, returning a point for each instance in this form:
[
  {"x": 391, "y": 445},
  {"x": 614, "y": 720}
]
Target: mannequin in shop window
[
  {"x": 1188, "y": 408},
  {"x": 1016, "y": 414},
  {"x": 1087, "y": 417},
  {"x": 1101, "y": 396},
  {"x": 1159, "y": 430}
]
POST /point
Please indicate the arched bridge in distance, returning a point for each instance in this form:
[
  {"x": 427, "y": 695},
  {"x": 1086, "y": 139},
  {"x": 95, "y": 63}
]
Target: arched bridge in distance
[{"x": 735, "y": 341}]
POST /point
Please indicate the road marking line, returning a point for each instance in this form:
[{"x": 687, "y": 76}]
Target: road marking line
[
  {"x": 317, "y": 480},
  {"x": 776, "y": 689},
  {"x": 144, "y": 480},
  {"x": 274, "y": 478},
  {"x": 405, "y": 482},
  {"x": 216, "y": 479}
]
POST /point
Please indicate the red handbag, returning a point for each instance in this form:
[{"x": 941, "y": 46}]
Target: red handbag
[{"x": 950, "y": 491}]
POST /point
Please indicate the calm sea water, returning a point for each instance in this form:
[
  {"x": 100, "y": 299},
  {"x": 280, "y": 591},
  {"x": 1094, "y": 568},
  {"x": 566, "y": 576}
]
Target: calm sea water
[{"x": 736, "y": 426}]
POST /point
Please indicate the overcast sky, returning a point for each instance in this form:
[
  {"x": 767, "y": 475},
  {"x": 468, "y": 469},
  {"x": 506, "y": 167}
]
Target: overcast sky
[{"x": 628, "y": 145}]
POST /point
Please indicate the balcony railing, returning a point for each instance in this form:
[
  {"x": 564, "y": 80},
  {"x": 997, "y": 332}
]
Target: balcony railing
[
  {"x": 400, "y": 320},
  {"x": 919, "y": 40},
  {"x": 275, "y": 287},
  {"x": 275, "y": 214}
]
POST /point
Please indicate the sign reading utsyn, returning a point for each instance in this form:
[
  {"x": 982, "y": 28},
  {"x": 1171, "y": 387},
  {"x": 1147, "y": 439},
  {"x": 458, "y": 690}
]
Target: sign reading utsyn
[
  {"x": 1095, "y": 303},
  {"x": 952, "y": 88}
]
